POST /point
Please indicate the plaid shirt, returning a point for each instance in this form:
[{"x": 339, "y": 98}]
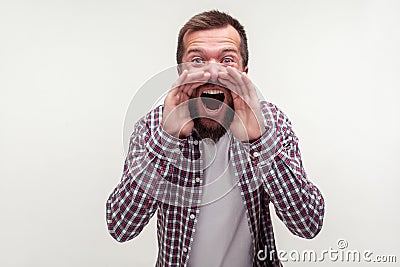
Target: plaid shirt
[{"x": 165, "y": 173}]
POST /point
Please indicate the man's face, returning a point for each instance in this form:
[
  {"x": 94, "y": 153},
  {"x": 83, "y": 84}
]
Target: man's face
[{"x": 212, "y": 51}]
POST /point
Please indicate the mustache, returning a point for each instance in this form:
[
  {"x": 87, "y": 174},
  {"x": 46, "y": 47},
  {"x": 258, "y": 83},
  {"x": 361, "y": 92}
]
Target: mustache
[{"x": 213, "y": 84}]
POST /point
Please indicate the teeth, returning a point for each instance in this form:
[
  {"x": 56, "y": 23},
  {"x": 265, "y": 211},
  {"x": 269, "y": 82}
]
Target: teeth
[{"x": 213, "y": 92}]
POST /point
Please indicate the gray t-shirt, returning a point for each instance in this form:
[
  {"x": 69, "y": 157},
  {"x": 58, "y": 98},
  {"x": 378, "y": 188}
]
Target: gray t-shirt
[{"x": 222, "y": 236}]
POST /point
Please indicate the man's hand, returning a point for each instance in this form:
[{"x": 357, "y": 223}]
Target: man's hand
[
  {"x": 176, "y": 117},
  {"x": 248, "y": 123}
]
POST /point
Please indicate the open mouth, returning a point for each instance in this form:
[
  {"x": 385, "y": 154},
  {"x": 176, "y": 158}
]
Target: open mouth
[{"x": 212, "y": 99}]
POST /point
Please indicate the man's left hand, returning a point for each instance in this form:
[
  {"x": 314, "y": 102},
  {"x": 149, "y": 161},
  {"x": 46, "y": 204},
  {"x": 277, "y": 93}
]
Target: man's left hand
[{"x": 248, "y": 123}]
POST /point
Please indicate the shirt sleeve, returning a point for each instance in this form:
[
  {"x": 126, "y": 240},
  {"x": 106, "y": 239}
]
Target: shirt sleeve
[
  {"x": 151, "y": 155},
  {"x": 297, "y": 201},
  {"x": 130, "y": 206}
]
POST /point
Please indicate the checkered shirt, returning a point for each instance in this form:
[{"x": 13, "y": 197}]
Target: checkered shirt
[{"x": 164, "y": 174}]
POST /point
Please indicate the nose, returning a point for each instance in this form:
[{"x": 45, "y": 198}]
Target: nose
[{"x": 213, "y": 68}]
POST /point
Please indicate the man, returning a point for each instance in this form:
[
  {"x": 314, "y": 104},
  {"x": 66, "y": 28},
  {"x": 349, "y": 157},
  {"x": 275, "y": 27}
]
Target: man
[{"x": 211, "y": 159}]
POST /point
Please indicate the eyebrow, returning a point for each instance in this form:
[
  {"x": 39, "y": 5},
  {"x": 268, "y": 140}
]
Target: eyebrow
[
  {"x": 201, "y": 51},
  {"x": 195, "y": 50}
]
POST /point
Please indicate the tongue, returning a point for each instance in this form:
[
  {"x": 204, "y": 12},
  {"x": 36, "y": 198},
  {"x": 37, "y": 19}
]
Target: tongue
[{"x": 211, "y": 103}]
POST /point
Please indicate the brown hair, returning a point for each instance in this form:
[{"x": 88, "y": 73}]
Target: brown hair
[{"x": 212, "y": 20}]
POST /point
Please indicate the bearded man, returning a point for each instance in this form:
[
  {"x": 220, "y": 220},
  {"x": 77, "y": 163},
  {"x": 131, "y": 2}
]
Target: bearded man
[{"x": 211, "y": 159}]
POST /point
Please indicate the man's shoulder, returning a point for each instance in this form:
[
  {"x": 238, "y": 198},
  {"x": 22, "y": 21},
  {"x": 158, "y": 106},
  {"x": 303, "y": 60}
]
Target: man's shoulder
[
  {"x": 272, "y": 112},
  {"x": 153, "y": 118},
  {"x": 150, "y": 120}
]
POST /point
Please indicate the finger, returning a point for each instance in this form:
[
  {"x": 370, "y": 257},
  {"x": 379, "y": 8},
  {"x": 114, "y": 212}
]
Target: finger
[
  {"x": 190, "y": 89},
  {"x": 175, "y": 87},
  {"x": 235, "y": 96},
  {"x": 185, "y": 81},
  {"x": 233, "y": 76},
  {"x": 193, "y": 77},
  {"x": 188, "y": 77},
  {"x": 190, "y": 86},
  {"x": 236, "y": 75},
  {"x": 250, "y": 86},
  {"x": 229, "y": 82}
]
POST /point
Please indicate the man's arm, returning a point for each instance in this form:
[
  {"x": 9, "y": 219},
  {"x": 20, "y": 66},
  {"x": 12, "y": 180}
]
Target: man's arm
[
  {"x": 130, "y": 207},
  {"x": 143, "y": 186},
  {"x": 298, "y": 203}
]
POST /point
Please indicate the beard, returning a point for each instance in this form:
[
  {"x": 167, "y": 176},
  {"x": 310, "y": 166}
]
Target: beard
[{"x": 205, "y": 127}]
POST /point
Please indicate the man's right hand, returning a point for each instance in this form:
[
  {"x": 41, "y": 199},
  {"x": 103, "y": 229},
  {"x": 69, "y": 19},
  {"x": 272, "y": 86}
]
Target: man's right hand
[{"x": 176, "y": 116}]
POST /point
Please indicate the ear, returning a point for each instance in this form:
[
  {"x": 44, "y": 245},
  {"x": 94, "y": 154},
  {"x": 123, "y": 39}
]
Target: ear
[
  {"x": 179, "y": 69},
  {"x": 246, "y": 69}
]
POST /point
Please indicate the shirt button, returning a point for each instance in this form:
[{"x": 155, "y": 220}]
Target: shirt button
[
  {"x": 198, "y": 180},
  {"x": 184, "y": 250},
  {"x": 256, "y": 154},
  {"x": 177, "y": 150},
  {"x": 192, "y": 216},
  {"x": 196, "y": 142}
]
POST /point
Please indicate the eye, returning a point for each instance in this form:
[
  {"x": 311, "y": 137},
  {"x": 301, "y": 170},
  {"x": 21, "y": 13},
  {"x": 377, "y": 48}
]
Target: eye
[
  {"x": 197, "y": 60},
  {"x": 227, "y": 60}
]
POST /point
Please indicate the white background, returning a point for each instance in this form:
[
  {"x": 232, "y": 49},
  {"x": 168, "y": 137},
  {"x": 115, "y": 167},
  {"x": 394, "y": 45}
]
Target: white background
[{"x": 69, "y": 69}]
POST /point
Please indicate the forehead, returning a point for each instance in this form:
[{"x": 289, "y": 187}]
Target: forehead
[{"x": 226, "y": 36}]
